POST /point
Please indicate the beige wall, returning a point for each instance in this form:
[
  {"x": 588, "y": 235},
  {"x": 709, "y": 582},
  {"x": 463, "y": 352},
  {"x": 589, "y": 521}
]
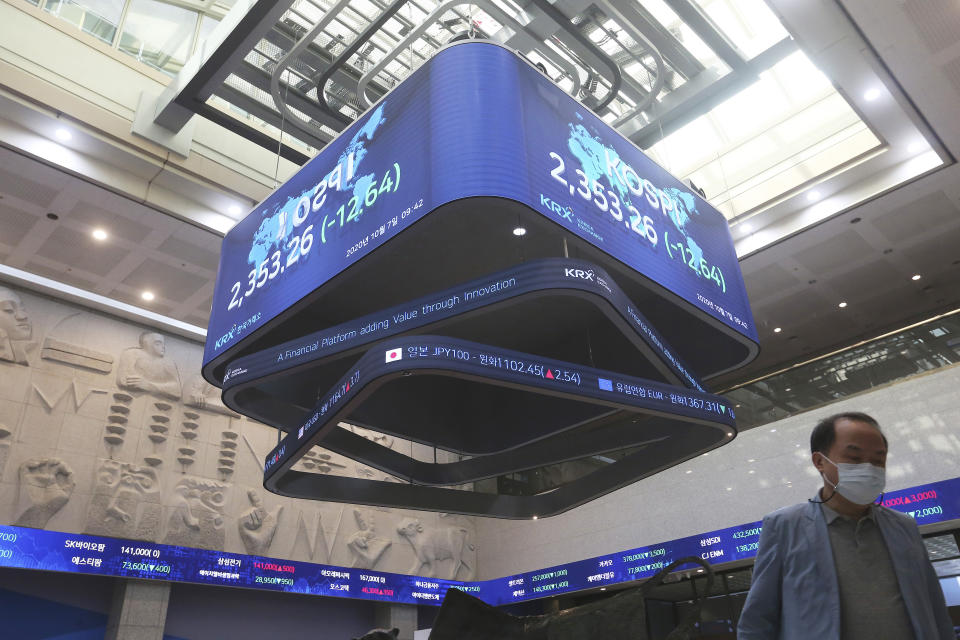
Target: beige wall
[{"x": 99, "y": 435}]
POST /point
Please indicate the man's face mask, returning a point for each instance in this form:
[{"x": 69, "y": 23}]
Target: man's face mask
[{"x": 859, "y": 483}]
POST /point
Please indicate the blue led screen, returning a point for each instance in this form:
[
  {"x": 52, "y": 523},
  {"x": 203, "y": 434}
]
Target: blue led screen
[
  {"x": 55, "y": 551},
  {"x": 473, "y": 121}
]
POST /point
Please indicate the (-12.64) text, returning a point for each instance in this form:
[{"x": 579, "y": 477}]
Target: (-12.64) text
[{"x": 300, "y": 243}]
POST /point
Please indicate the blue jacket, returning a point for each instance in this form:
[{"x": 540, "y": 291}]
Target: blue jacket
[{"x": 795, "y": 594}]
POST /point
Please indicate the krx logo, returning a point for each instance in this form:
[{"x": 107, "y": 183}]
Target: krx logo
[
  {"x": 564, "y": 212},
  {"x": 579, "y": 273}
]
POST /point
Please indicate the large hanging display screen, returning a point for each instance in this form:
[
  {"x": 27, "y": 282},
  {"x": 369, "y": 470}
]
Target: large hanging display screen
[
  {"x": 475, "y": 121},
  {"x": 75, "y": 553}
]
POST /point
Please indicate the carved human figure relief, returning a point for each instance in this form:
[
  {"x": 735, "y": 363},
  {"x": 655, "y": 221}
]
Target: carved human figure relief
[
  {"x": 197, "y": 518},
  {"x": 200, "y": 394},
  {"x": 258, "y": 526},
  {"x": 16, "y": 328},
  {"x": 126, "y": 502},
  {"x": 146, "y": 368},
  {"x": 46, "y": 484},
  {"x": 364, "y": 545},
  {"x": 433, "y": 546}
]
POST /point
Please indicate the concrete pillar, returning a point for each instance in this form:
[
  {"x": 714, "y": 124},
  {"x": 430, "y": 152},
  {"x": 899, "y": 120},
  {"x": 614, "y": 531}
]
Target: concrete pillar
[
  {"x": 401, "y": 616},
  {"x": 139, "y": 610}
]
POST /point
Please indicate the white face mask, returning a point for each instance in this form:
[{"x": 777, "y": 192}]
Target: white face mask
[{"x": 859, "y": 483}]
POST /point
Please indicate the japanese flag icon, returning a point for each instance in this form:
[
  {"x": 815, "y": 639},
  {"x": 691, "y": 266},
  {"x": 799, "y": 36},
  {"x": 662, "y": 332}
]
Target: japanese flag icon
[{"x": 394, "y": 354}]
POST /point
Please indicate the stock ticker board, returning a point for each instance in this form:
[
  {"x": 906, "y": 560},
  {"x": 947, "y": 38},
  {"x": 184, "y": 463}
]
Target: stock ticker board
[
  {"x": 473, "y": 143},
  {"x": 54, "y": 551}
]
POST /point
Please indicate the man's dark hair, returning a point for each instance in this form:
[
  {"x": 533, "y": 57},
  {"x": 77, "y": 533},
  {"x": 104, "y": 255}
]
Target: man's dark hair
[{"x": 825, "y": 433}]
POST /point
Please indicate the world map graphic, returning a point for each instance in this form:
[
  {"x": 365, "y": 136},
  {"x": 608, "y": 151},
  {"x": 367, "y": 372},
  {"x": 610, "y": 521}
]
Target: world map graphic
[
  {"x": 270, "y": 237},
  {"x": 592, "y": 154}
]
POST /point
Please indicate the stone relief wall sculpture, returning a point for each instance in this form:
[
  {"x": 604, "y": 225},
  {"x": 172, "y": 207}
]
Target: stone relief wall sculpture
[
  {"x": 101, "y": 438},
  {"x": 310, "y": 542},
  {"x": 46, "y": 484},
  {"x": 125, "y": 503},
  {"x": 115, "y": 431},
  {"x": 434, "y": 546},
  {"x": 200, "y": 394},
  {"x": 146, "y": 368},
  {"x": 367, "y": 548},
  {"x": 5, "y": 441},
  {"x": 258, "y": 526},
  {"x": 16, "y": 329},
  {"x": 197, "y": 519},
  {"x": 227, "y": 456}
]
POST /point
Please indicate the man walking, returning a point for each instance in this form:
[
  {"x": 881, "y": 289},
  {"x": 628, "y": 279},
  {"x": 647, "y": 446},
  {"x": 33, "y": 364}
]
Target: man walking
[{"x": 839, "y": 567}]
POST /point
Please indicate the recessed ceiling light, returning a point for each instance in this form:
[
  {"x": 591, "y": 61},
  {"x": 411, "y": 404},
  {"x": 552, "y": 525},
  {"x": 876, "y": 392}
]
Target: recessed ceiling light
[
  {"x": 63, "y": 135},
  {"x": 813, "y": 196},
  {"x": 689, "y": 471},
  {"x": 773, "y": 430},
  {"x": 519, "y": 231},
  {"x": 777, "y": 329},
  {"x": 729, "y": 488},
  {"x": 234, "y": 210},
  {"x": 603, "y": 588},
  {"x": 842, "y": 305},
  {"x": 871, "y": 94},
  {"x": 916, "y": 276},
  {"x": 752, "y": 460},
  {"x": 752, "y": 471},
  {"x": 99, "y": 234},
  {"x": 699, "y": 570},
  {"x": 534, "y": 517},
  {"x": 788, "y": 389},
  {"x": 147, "y": 295}
]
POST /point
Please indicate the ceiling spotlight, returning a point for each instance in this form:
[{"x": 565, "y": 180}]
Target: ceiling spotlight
[
  {"x": 99, "y": 234},
  {"x": 777, "y": 329},
  {"x": 234, "y": 210},
  {"x": 773, "y": 430},
  {"x": 752, "y": 471},
  {"x": 519, "y": 231},
  {"x": 147, "y": 295},
  {"x": 788, "y": 389},
  {"x": 603, "y": 588},
  {"x": 689, "y": 471},
  {"x": 842, "y": 305},
  {"x": 699, "y": 570},
  {"x": 813, "y": 196},
  {"x": 871, "y": 94},
  {"x": 729, "y": 488},
  {"x": 916, "y": 276},
  {"x": 534, "y": 517},
  {"x": 63, "y": 135}
]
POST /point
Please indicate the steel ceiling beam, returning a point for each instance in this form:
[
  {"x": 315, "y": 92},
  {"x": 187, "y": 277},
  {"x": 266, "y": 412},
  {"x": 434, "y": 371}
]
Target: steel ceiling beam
[
  {"x": 709, "y": 97},
  {"x": 206, "y": 70},
  {"x": 630, "y": 15},
  {"x": 711, "y": 35}
]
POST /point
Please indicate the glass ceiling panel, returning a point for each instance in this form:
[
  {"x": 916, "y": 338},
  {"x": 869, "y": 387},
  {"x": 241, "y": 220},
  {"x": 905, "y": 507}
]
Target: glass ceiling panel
[
  {"x": 777, "y": 135},
  {"x": 750, "y": 24},
  {"x": 682, "y": 32}
]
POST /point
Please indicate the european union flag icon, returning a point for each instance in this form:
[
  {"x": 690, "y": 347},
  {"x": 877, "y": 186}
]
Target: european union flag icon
[{"x": 605, "y": 385}]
